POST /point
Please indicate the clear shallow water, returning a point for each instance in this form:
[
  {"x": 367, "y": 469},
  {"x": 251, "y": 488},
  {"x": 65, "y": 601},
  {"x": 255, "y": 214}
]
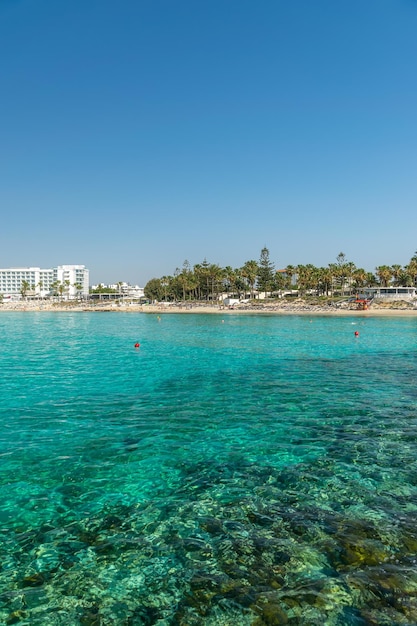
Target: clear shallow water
[{"x": 256, "y": 470}]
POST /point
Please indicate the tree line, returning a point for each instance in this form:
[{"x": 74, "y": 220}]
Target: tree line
[
  {"x": 56, "y": 288},
  {"x": 206, "y": 281}
]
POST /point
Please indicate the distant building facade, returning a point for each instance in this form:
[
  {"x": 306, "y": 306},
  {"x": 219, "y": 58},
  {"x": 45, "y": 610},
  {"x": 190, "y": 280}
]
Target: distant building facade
[
  {"x": 71, "y": 281},
  {"x": 121, "y": 289}
]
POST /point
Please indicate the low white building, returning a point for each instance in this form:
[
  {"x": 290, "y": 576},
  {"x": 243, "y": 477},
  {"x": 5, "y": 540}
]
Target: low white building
[
  {"x": 128, "y": 290},
  {"x": 123, "y": 289},
  {"x": 70, "y": 281},
  {"x": 391, "y": 293}
]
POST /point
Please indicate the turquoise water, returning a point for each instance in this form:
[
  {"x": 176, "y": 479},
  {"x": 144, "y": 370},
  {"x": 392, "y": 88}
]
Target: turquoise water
[{"x": 251, "y": 470}]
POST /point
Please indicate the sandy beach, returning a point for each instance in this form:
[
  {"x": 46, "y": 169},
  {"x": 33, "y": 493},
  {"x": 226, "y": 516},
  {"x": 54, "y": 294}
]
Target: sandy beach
[{"x": 293, "y": 308}]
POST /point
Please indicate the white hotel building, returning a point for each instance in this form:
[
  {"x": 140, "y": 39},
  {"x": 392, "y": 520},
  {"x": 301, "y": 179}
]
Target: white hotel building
[{"x": 74, "y": 278}]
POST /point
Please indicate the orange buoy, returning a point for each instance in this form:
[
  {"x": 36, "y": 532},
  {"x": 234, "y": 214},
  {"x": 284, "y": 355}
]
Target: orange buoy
[{"x": 137, "y": 345}]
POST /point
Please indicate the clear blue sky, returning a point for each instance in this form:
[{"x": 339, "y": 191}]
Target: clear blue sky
[{"x": 135, "y": 134}]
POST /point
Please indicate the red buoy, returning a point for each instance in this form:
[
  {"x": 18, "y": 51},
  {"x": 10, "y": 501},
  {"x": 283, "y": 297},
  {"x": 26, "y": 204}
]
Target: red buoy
[
  {"x": 356, "y": 333},
  {"x": 137, "y": 345}
]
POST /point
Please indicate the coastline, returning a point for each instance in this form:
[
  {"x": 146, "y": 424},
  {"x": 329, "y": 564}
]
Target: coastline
[{"x": 196, "y": 309}]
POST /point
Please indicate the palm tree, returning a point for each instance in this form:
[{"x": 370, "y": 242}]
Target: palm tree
[
  {"x": 308, "y": 278},
  {"x": 240, "y": 282},
  {"x": 165, "y": 281},
  {"x": 290, "y": 272},
  {"x": 54, "y": 287},
  {"x": 202, "y": 272},
  {"x": 60, "y": 287},
  {"x": 350, "y": 268},
  {"x": 250, "y": 271},
  {"x": 67, "y": 285},
  {"x": 397, "y": 273},
  {"x": 230, "y": 277},
  {"x": 314, "y": 278},
  {"x": 384, "y": 273},
  {"x": 78, "y": 288},
  {"x": 215, "y": 274},
  {"x": 280, "y": 282},
  {"x": 371, "y": 280},
  {"x": 197, "y": 272},
  {"x": 302, "y": 278},
  {"x": 411, "y": 269},
  {"x": 192, "y": 285},
  {"x": 326, "y": 280},
  {"x": 334, "y": 271},
  {"x": 359, "y": 277},
  {"x": 24, "y": 288},
  {"x": 184, "y": 279}
]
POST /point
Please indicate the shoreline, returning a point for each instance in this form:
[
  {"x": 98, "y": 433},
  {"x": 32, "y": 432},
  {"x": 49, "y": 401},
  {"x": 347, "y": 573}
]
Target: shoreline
[{"x": 267, "y": 309}]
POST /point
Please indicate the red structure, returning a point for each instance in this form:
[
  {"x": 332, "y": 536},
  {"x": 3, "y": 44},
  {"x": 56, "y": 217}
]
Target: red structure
[{"x": 362, "y": 304}]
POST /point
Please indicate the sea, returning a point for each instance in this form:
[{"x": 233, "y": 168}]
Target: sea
[{"x": 232, "y": 470}]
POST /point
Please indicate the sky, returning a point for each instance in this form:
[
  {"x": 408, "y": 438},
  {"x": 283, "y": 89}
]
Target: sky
[{"x": 137, "y": 134}]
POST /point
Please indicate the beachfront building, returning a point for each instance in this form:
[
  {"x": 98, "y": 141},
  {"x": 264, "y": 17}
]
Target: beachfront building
[
  {"x": 118, "y": 290},
  {"x": 75, "y": 279},
  {"x": 128, "y": 290},
  {"x": 67, "y": 281},
  {"x": 390, "y": 293}
]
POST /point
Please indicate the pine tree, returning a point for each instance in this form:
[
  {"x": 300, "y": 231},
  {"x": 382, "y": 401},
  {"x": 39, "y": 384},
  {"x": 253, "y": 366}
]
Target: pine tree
[{"x": 266, "y": 272}]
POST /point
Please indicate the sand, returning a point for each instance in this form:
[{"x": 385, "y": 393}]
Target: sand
[{"x": 285, "y": 308}]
